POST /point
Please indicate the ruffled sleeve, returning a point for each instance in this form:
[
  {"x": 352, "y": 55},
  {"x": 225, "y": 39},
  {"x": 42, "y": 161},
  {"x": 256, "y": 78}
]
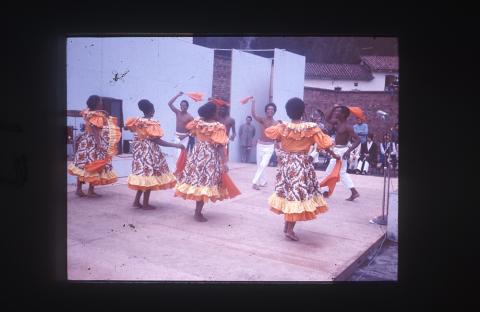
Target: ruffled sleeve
[
  {"x": 96, "y": 119},
  {"x": 153, "y": 129},
  {"x": 274, "y": 132},
  {"x": 131, "y": 123},
  {"x": 192, "y": 126},
  {"x": 219, "y": 134},
  {"x": 323, "y": 141},
  {"x": 144, "y": 128}
]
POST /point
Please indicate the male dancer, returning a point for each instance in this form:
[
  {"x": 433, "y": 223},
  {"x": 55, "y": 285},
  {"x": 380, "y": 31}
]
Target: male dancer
[
  {"x": 183, "y": 118},
  {"x": 344, "y": 133}
]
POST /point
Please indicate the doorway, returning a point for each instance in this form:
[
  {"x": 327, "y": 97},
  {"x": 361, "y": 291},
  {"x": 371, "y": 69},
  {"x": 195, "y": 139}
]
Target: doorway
[{"x": 114, "y": 108}]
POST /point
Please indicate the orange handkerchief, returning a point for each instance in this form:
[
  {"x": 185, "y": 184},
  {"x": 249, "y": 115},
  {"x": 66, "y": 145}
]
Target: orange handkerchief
[
  {"x": 331, "y": 180},
  {"x": 196, "y": 96},
  {"x": 182, "y": 159},
  {"x": 245, "y": 100}
]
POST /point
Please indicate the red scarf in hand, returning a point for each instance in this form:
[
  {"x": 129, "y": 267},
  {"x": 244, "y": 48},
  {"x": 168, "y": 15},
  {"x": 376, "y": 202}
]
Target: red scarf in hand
[
  {"x": 331, "y": 180},
  {"x": 182, "y": 159}
]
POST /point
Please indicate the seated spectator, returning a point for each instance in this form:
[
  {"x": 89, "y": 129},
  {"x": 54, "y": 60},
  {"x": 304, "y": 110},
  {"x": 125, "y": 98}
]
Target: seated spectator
[
  {"x": 353, "y": 160},
  {"x": 394, "y": 136},
  {"x": 388, "y": 152},
  {"x": 368, "y": 155}
]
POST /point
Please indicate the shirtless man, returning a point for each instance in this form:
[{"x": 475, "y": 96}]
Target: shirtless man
[
  {"x": 265, "y": 145},
  {"x": 228, "y": 122},
  {"x": 183, "y": 118},
  {"x": 344, "y": 133}
]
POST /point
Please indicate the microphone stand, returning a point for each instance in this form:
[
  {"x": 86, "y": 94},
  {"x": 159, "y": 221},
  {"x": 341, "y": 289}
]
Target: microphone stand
[{"x": 382, "y": 220}]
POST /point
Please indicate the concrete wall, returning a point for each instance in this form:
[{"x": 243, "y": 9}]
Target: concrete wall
[
  {"x": 158, "y": 68},
  {"x": 346, "y": 85},
  {"x": 288, "y": 80},
  {"x": 250, "y": 75},
  {"x": 379, "y": 81}
]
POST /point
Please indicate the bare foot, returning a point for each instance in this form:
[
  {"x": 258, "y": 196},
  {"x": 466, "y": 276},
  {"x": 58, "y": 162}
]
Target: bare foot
[
  {"x": 292, "y": 236},
  {"x": 353, "y": 196},
  {"x": 137, "y": 205},
  {"x": 200, "y": 218},
  {"x": 149, "y": 207},
  {"x": 256, "y": 187},
  {"x": 93, "y": 195},
  {"x": 79, "y": 193}
]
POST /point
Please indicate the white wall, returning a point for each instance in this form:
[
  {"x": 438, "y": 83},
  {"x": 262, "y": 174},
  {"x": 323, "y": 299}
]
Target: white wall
[
  {"x": 159, "y": 67},
  {"x": 250, "y": 76},
  {"x": 346, "y": 85},
  {"x": 288, "y": 80},
  {"x": 376, "y": 84}
]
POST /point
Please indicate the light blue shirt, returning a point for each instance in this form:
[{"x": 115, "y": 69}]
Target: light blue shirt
[{"x": 362, "y": 131}]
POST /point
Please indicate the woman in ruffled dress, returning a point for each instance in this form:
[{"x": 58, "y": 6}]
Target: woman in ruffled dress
[
  {"x": 202, "y": 179},
  {"x": 297, "y": 192},
  {"x": 150, "y": 171},
  {"x": 96, "y": 146}
]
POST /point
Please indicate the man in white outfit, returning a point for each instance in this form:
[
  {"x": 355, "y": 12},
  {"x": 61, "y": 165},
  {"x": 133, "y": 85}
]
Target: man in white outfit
[
  {"x": 337, "y": 117},
  {"x": 265, "y": 145}
]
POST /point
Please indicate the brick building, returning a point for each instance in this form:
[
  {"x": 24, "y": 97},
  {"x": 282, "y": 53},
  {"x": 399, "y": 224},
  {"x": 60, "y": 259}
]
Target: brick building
[{"x": 369, "y": 101}]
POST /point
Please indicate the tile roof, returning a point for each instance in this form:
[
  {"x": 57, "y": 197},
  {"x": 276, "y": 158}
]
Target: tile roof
[
  {"x": 337, "y": 72},
  {"x": 381, "y": 63}
]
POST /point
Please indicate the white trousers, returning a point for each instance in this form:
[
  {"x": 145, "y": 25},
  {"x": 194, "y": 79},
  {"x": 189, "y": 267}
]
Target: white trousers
[
  {"x": 344, "y": 176},
  {"x": 183, "y": 141},
  {"x": 365, "y": 168},
  {"x": 353, "y": 164},
  {"x": 264, "y": 153}
]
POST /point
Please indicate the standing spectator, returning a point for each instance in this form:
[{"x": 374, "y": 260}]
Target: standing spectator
[
  {"x": 361, "y": 129},
  {"x": 247, "y": 133}
]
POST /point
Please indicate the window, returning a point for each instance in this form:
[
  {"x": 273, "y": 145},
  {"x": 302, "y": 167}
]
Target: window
[{"x": 391, "y": 83}]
